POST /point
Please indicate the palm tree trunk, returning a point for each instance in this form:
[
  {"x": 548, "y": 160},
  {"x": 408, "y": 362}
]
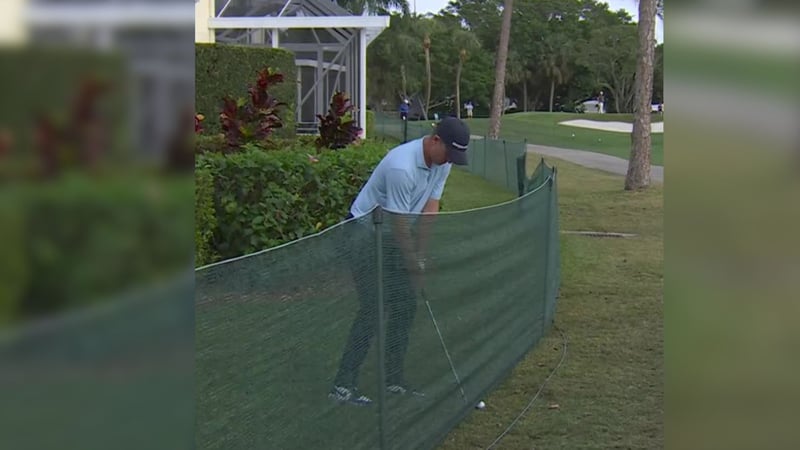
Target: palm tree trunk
[
  {"x": 427, "y": 48},
  {"x": 458, "y": 89},
  {"x": 500, "y": 71},
  {"x": 403, "y": 77},
  {"x": 552, "y": 92},
  {"x": 525, "y": 96},
  {"x": 638, "y": 176}
]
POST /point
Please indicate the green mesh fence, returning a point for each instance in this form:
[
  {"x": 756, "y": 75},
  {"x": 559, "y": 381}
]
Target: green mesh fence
[
  {"x": 492, "y": 159},
  {"x": 118, "y": 375},
  {"x": 276, "y": 329}
]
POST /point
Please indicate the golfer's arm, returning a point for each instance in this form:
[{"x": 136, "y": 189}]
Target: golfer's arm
[
  {"x": 399, "y": 189},
  {"x": 426, "y": 221},
  {"x": 401, "y": 228}
]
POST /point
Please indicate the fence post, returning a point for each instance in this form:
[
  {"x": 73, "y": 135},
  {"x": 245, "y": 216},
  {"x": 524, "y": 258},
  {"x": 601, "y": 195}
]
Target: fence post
[
  {"x": 485, "y": 152},
  {"x": 377, "y": 220},
  {"x": 521, "y": 175},
  {"x": 548, "y": 233},
  {"x": 505, "y": 166}
]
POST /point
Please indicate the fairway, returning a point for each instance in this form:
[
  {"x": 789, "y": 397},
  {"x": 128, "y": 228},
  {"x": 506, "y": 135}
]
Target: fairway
[{"x": 543, "y": 128}]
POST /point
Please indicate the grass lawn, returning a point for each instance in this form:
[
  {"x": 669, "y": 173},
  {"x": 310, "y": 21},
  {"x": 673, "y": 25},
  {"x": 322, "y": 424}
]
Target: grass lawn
[
  {"x": 543, "y": 129},
  {"x": 609, "y": 390}
]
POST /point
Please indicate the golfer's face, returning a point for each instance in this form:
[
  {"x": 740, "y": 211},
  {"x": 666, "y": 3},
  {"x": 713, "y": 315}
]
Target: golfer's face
[{"x": 441, "y": 151}]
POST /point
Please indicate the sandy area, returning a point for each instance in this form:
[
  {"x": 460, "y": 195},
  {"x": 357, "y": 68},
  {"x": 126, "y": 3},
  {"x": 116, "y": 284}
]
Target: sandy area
[{"x": 620, "y": 127}]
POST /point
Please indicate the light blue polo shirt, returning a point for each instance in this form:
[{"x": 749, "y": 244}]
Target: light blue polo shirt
[{"x": 402, "y": 182}]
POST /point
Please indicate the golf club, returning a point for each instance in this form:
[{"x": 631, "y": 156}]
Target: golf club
[{"x": 446, "y": 353}]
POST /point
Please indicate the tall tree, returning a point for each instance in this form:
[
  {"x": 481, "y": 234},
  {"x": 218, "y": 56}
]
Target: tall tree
[
  {"x": 638, "y": 176},
  {"x": 462, "y": 56},
  {"x": 500, "y": 71},
  {"x": 610, "y": 55},
  {"x": 426, "y": 47},
  {"x": 358, "y": 7}
]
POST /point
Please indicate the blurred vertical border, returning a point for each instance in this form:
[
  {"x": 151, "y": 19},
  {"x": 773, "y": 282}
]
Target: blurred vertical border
[
  {"x": 732, "y": 296},
  {"x": 96, "y": 224}
]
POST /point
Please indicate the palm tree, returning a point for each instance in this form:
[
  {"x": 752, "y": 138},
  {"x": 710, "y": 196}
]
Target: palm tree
[
  {"x": 638, "y": 176},
  {"x": 462, "y": 56},
  {"x": 500, "y": 71},
  {"x": 426, "y": 47}
]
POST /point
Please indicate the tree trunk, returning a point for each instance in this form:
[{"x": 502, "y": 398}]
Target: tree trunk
[
  {"x": 458, "y": 89},
  {"x": 638, "y": 176},
  {"x": 552, "y": 92},
  {"x": 427, "y": 48},
  {"x": 503, "y": 109},
  {"x": 500, "y": 71},
  {"x": 403, "y": 76},
  {"x": 525, "y": 96}
]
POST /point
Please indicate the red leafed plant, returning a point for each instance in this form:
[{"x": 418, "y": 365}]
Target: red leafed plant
[
  {"x": 80, "y": 138},
  {"x": 338, "y": 128},
  {"x": 256, "y": 120},
  {"x": 198, "y": 123}
]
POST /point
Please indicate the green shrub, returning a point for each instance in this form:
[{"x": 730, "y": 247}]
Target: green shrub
[
  {"x": 205, "y": 220},
  {"x": 223, "y": 69},
  {"x": 267, "y": 198},
  {"x": 80, "y": 240},
  {"x": 210, "y": 143}
]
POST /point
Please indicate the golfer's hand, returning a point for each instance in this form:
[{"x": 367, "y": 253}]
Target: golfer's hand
[{"x": 416, "y": 269}]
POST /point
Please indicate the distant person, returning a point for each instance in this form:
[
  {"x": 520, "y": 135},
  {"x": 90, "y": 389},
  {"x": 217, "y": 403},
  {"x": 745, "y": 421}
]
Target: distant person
[
  {"x": 469, "y": 107},
  {"x": 404, "y": 109},
  {"x": 601, "y": 101},
  {"x": 410, "y": 179}
]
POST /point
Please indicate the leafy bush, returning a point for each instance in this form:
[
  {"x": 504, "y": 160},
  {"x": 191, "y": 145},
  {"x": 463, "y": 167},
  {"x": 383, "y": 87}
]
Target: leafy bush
[
  {"x": 267, "y": 198},
  {"x": 210, "y": 144},
  {"x": 243, "y": 122},
  {"x": 224, "y": 69},
  {"x": 338, "y": 128},
  {"x": 205, "y": 219}
]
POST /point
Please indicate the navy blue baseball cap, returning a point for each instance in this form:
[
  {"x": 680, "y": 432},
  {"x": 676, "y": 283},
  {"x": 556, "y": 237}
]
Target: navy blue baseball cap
[{"x": 455, "y": 135}]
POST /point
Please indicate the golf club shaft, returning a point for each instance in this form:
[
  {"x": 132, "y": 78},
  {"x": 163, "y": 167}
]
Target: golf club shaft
[{"x": 446, "y": 353}]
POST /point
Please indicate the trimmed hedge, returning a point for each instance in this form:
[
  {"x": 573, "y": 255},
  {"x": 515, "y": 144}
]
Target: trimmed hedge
[
  {"x": 76, "y": 241},
  {"x": 267, "y": 198},
  {"x": 204, "y": 214},
  {"x": 224, "y": 69}
]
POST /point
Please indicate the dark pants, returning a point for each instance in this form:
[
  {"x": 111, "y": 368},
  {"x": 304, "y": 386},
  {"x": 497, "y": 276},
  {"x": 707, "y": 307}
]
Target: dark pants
[{"x": 400, "y": 307}]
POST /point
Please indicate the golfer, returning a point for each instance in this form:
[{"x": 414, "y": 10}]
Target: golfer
[{"x": 410, "y": 179}]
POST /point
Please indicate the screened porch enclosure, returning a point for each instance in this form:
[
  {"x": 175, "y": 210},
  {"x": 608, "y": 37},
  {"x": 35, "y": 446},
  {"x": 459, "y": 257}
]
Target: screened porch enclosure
[{"x": 328, "y": 42}]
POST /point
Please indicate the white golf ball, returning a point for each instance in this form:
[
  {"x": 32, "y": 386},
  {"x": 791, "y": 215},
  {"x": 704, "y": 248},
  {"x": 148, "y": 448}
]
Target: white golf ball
[
  {"x": 573, "y": 134},
  {"x": 480, "y": 405}
]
